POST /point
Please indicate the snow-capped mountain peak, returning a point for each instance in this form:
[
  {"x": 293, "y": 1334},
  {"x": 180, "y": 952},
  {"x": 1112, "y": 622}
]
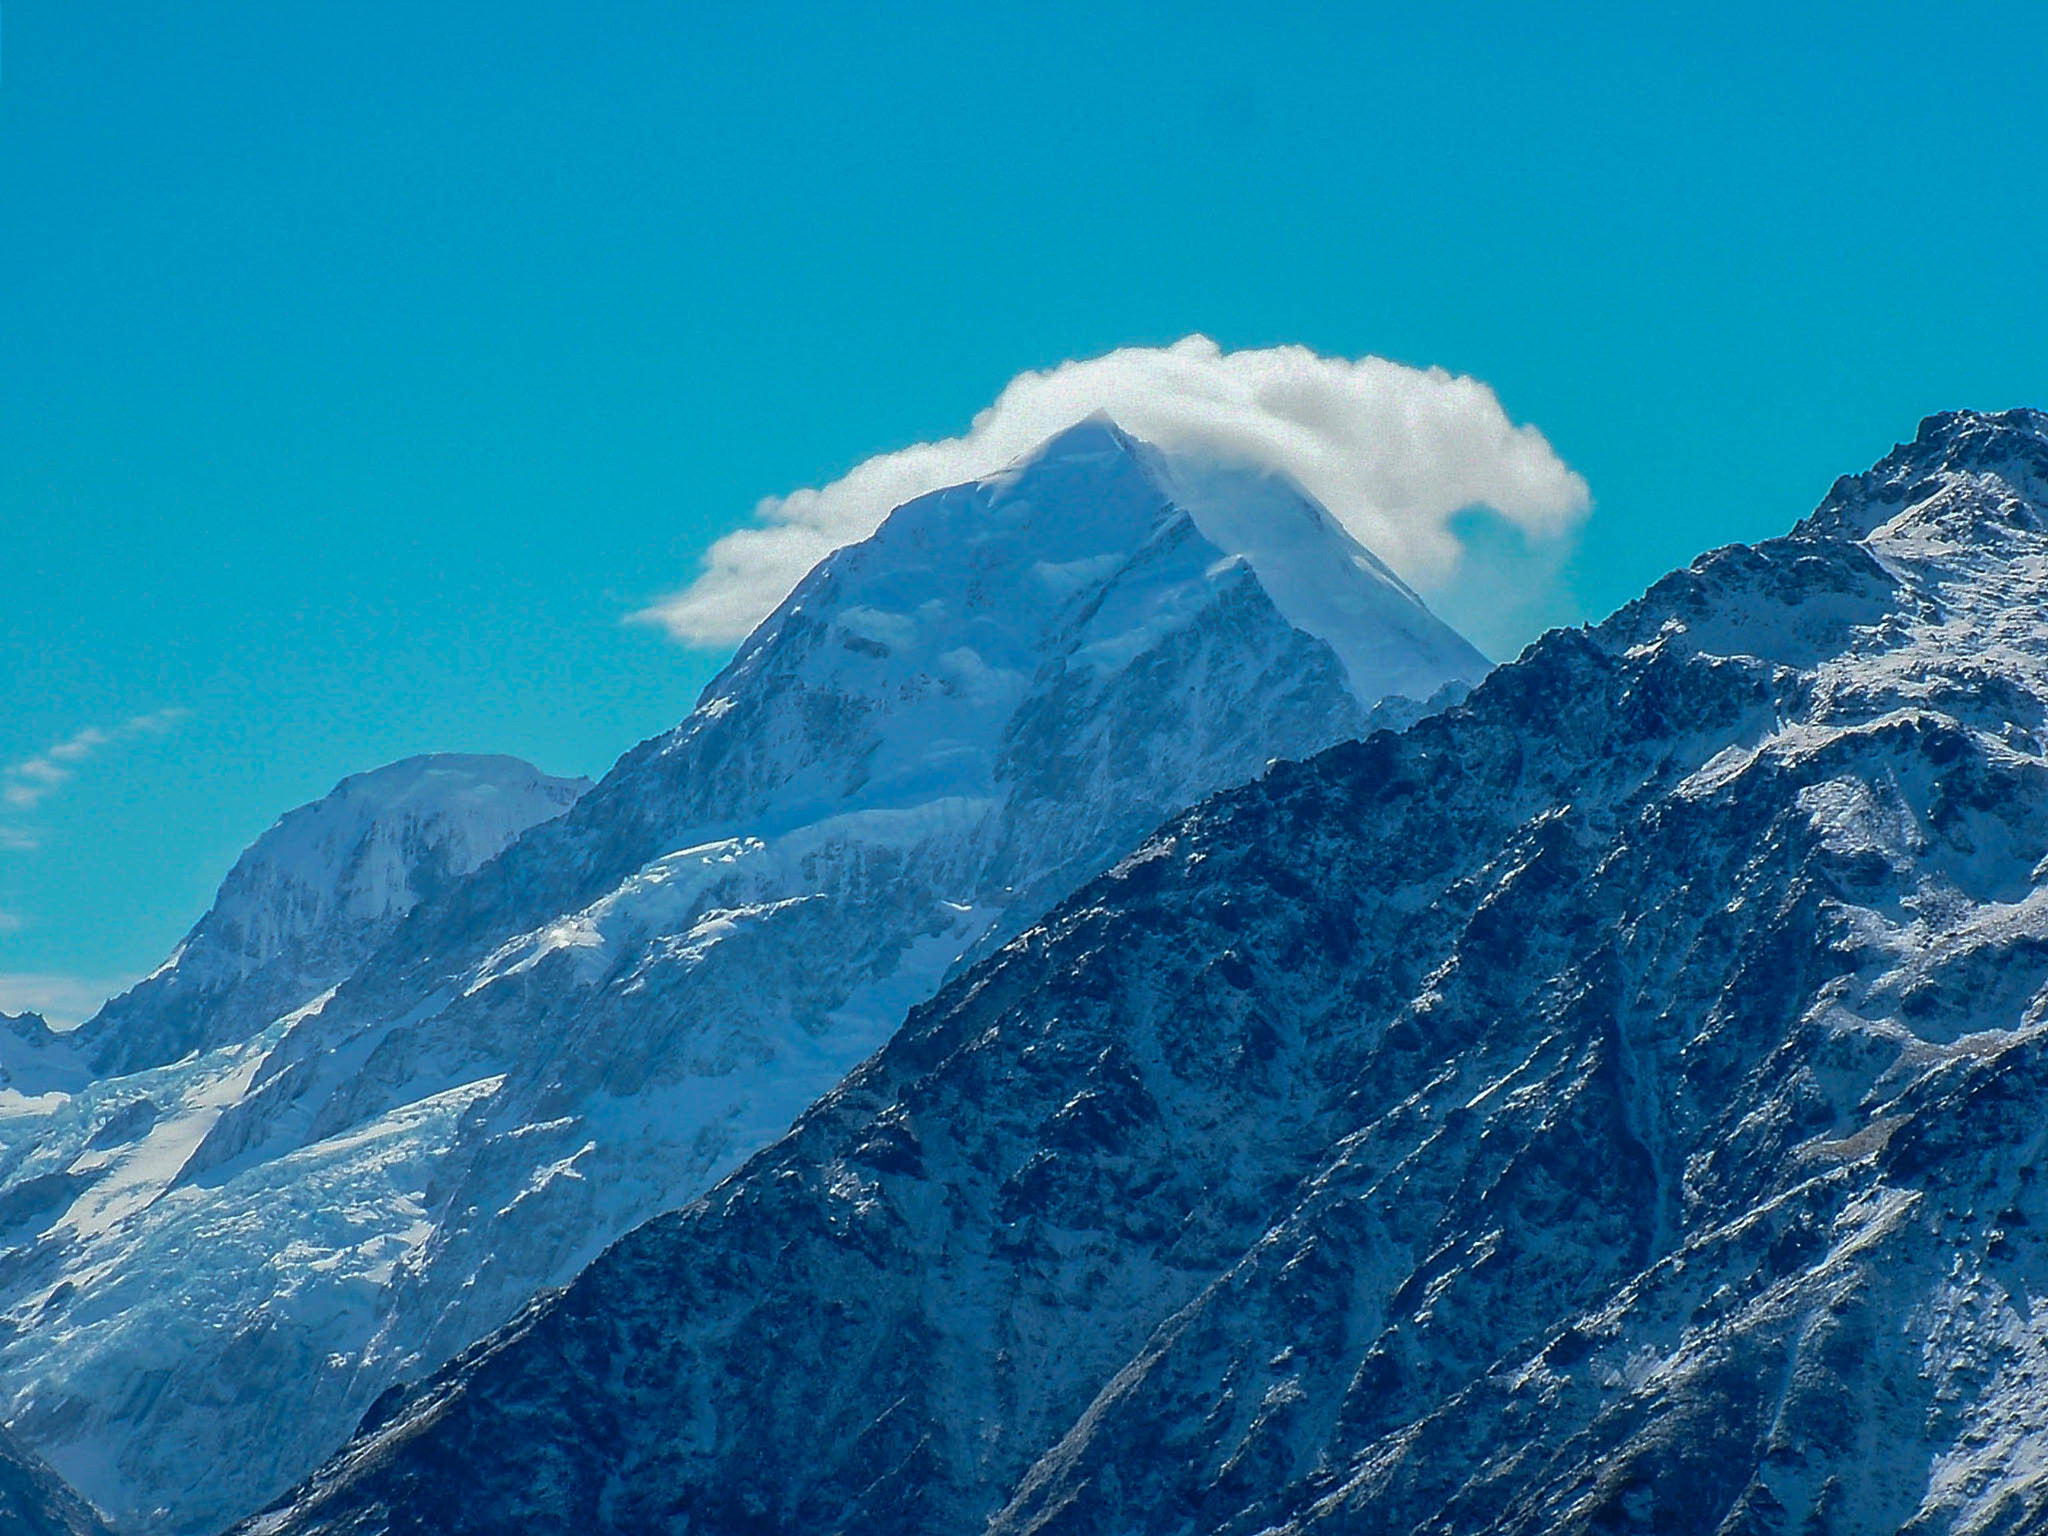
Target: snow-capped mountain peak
[
  {"x": 1614, "y": 1104},
  {"x": 2004, "y": 453},
  {"x": 1071, "y": 511},
  {"x": 316, "y": 893},
  {"x": 940, "y": 732},
  {"x": 375, "y": 845}
]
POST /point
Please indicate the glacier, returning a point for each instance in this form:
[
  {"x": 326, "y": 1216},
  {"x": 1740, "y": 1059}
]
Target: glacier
[
  {"x": 1613, "y": 1103},
  {"x": 410, "y": 1071}
]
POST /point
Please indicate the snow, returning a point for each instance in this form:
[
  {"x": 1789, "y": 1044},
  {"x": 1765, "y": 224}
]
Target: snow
[
  {"x": 353, "y": 857},
  {"x": 1322, "y": 579},
  {"x": 36, "y": 1062},
  {"x": 1612, "y": 1103},
  {"x": 310, "y": 898},
  {"x": 397, "y": 1104}
]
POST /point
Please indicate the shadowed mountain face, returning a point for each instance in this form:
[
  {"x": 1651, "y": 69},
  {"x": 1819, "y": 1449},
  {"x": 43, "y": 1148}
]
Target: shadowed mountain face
[
  {"x": 1616, "y": 1103},
  {"x": 224, "y": 1247},
  {"x": 34, "y": 1501}
]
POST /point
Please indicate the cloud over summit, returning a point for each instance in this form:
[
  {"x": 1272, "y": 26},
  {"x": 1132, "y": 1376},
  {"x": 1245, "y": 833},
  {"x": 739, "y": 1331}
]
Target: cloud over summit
[{"x": 1394, "y": 452}]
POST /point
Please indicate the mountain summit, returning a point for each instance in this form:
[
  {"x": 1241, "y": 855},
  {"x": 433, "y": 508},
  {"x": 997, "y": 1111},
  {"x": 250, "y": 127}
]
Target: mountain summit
[
  {"x": 314, "y": 895},
  {"x": 1612, "y": 1104},
  {"x": 939, "y": 734}
]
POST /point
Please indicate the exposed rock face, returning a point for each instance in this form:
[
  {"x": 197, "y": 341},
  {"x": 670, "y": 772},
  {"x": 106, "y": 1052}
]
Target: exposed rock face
[
  {"x": 1616, "y": 1103},
  {"x": 223, "y": 1260}
]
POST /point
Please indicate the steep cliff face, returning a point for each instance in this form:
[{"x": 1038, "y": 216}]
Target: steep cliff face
[
  {"x": 223, "y": 1259},
  {"x": 1616, "y": 1103}
]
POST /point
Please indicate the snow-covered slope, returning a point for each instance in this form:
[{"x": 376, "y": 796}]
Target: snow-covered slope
[
  {"x": 315, "y": 894},
  {"x": 36, "y": 1059},
  {"x": 228, "y": 1256},
  {"x": 1615, "y": 1104},
  {"x": 1389, "y": 642}
]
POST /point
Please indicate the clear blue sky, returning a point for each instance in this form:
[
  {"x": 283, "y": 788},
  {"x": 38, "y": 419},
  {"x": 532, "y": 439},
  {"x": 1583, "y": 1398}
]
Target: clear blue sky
[{"x": 362, "y": 366}]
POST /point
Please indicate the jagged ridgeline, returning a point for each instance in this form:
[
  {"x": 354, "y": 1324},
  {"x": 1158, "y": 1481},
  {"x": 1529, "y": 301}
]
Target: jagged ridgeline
[
  {"x": 1616, "y": 1103},
  {"x": 452, "y": 1030}
]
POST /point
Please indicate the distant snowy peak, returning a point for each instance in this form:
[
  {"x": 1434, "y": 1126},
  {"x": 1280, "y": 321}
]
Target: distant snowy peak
[
  {"x": 1077, "y": 516},
  {"x": 27, "y": 1025},
  {"x": 34, "y": 1058},
  {"x": 368, "y": 851},
  {"x": 310, "y": 898}
]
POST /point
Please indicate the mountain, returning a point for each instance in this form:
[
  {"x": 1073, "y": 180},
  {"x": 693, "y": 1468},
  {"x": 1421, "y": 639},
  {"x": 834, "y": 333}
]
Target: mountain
[
  {"x": 36, "y": 1059},
  {"x": 34, "y": 1501},
  {"x": 228, "y": 1257},
  {"x": 313, "y": 896},
  {"x": 1614, "y": 1104}
]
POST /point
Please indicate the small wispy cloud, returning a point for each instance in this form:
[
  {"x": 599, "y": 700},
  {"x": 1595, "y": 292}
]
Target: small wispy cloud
[
  {"x": 78, "y": 748},
  {"x": 158, "y": 722},
  {"x": 10, "y": 922},
  {"x": 26, "y": 784}
]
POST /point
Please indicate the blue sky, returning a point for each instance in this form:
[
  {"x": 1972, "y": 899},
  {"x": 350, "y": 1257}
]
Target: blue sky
[{"x": 361, "y": 368}]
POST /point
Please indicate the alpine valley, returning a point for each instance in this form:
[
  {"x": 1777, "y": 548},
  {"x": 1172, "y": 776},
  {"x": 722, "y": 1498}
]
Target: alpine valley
[
  {"x": 1616, "y": 1101},
  {"x": 452, "y": 1031}
]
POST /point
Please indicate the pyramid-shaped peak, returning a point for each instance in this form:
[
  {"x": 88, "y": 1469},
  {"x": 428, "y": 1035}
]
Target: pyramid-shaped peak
[{"x": 1094, "y": 435}]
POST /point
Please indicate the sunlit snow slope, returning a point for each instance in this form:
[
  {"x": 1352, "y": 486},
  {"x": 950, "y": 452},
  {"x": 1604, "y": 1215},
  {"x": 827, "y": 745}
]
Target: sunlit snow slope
[
  {"x": 316, "y": 894},
  {"x": 1618, "y": 1103},
  {"x": 226, "y": 1257}
]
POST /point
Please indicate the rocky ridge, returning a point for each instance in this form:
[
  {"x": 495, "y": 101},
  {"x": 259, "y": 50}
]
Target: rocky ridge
[{"x": 1613, "y": 1104}]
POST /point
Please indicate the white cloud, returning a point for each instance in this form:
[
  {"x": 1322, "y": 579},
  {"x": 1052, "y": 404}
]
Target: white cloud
[
  {"x": 78, "y": 748},
  {"x": 62, "y": 1000},
  {"x": 158, "y": 722},
  {"x": 26, "y": 784},
  {"x": 9, "y": 922},
  {"x": 1394, "y": 452}
]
